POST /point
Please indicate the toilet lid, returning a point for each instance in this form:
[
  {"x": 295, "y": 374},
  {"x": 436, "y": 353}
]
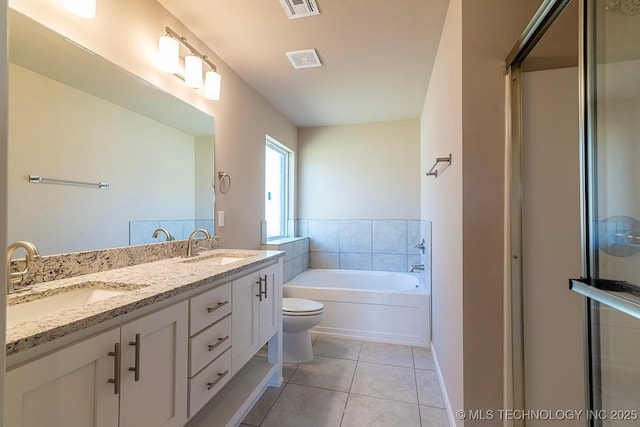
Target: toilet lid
[{"x": 299, "y": 305}]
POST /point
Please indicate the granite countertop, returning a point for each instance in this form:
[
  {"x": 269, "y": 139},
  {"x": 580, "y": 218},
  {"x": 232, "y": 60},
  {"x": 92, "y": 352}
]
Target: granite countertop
[{"x": 145, "y": 284}]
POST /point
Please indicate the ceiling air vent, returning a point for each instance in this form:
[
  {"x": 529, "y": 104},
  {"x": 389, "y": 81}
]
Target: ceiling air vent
[
  {"x": 304, "y": 58},
  {"x": 300, "y": 8}
]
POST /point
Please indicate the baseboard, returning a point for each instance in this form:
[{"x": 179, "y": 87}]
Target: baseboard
[{"x": 453, "y": 421}]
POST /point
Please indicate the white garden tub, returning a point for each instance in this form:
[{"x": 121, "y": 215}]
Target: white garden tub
[{"x": 378, "y": 306}]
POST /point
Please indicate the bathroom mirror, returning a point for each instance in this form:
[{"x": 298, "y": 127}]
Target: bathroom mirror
[{"x": 75, "y": 116}]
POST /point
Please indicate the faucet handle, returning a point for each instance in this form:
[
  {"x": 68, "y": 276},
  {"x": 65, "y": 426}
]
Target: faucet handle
[{"x": 420, "y": 246}]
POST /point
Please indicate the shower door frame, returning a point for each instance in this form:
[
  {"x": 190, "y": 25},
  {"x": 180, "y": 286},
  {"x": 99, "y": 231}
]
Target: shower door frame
[{"x": 544, "y": 17}]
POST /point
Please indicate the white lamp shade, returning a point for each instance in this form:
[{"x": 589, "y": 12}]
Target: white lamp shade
[
  {"x": 193, "y": 71},
  {"x": 83, "y": 8},
  {"x": 212, "y": 85},
  {"x": 169, "y": 54}
]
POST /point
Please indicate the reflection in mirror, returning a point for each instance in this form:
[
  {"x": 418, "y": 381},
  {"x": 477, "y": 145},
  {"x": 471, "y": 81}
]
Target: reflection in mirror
[{"x": 75, "y": 116}]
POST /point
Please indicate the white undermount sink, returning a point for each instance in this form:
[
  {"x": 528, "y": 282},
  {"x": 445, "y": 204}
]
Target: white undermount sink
[
  {"x": 215, "y": 259},
  {"x": 61, "y": 300}
]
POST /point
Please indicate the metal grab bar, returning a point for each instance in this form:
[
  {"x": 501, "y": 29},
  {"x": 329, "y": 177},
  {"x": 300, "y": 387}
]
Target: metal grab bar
[
  {"x": 433, "y": 171},
  {"x": 35, "y": 179}
]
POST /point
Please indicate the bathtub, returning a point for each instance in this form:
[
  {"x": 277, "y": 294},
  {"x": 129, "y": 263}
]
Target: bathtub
[{"x": 376, "y": 306}]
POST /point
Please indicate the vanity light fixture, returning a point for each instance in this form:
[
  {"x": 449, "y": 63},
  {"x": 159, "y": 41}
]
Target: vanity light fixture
[
  {"x": 169, "y": 59},
  {"x": 169, "y": 54},
  {"x": 82, "y": 8},
  {"x": 193, "y": 71}
]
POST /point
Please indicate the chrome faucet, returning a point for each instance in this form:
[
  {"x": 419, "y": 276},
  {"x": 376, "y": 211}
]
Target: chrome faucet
[
  {"x": 15, "y": 277},
  {"x": 415, "y": 267},
  {"x": 190, "y": 242},
  {"x": 162, "y": 230}
]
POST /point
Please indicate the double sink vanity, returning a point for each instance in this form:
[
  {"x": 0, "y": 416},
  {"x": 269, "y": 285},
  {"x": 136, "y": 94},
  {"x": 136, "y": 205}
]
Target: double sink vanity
[{"x": 173, "y": 342}]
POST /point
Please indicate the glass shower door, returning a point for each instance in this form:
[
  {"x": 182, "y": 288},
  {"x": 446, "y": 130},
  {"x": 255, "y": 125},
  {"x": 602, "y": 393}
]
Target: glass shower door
[{"x": 612, "y": 211}]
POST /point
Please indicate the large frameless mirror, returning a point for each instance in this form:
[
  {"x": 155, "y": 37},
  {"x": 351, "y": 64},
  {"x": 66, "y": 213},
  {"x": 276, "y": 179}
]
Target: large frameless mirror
[{"x": 74, "y": 116}]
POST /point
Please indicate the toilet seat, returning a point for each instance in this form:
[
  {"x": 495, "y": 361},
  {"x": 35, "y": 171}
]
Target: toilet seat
[{"x": 301, "y": 307}]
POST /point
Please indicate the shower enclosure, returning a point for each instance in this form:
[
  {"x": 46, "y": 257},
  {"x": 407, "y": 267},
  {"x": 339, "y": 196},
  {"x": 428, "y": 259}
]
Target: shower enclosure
[{"x": 611, "y": 211}]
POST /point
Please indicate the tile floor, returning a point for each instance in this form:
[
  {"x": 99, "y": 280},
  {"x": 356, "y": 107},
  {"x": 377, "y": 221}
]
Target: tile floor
[{"x": 352, "y": 383}]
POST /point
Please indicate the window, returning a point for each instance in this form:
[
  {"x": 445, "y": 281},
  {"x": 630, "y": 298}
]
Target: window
[{"x": 276, "y": 200}]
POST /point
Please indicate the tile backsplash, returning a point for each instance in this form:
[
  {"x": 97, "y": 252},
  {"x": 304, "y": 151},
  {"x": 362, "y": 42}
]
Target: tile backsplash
[
  {"x": 63, "y": 266},
  {"x": 383, "y": 245}
]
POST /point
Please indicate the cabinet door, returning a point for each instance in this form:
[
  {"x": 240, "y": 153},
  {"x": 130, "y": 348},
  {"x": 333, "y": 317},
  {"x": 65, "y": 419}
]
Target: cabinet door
[
  {"x": 158, "y": 397},
  {"x": 245, "y": 320},
  {"x": 68, "y": 388},
  {"x": 270, "y": 306}
]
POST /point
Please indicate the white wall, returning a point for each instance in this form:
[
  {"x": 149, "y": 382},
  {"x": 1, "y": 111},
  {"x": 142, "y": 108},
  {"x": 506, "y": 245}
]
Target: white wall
[
  {"x": 126, "y": 33},
  {"x": 553, "y": 324},
  {"x": 363, "y": 171},
  {"x": 468, "y": 277},
  {"x": 57, "y": 131},
  {"x": 441, "y": 203}
]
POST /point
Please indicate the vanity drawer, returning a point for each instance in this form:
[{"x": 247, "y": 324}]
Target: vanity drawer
[
  {"x": 209, "y": 307},
  {"x": 208, "y": 382},
  {"x": 209, "y": 344}
]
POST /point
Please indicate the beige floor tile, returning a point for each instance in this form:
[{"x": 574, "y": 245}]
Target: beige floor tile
[
  {"x": 374, "y": 412},
  {"x": 337, "y": 347},
  {"x": 423, "y": 359},
  {"x": 433, "y": 417},
  {"x": 388, "y": 382},
  {"x": 262, "y": 406},
  {"x": 326, "y": 372},
  {"x": 429, "y": 389},
  {"x": 300, "y": 406},
  {"x": 387, "y": 354},
  {"x": 288, "y": 370}
]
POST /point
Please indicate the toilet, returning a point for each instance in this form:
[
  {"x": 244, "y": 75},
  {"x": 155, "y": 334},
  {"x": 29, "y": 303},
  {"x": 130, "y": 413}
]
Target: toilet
[{"x": 298, "y": 317}]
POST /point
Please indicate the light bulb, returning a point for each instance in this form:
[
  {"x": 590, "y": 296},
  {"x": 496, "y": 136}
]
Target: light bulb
[
  {"x": 168, "y": 54},
  {"x": 212, "y": 85},
  {"x": 193, "y": 71},
  {"x": 83, "y": 8}
]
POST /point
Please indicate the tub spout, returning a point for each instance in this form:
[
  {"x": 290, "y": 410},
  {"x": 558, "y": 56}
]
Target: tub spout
[{"x": 415, "y": 267}]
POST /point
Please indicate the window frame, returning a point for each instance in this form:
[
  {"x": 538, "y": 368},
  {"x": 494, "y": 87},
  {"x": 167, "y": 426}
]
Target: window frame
[{"x": 285, "y": 186}]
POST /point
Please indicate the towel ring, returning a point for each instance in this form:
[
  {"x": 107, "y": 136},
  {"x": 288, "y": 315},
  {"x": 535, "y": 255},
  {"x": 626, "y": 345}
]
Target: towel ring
[{"x": 221, "y": 178}]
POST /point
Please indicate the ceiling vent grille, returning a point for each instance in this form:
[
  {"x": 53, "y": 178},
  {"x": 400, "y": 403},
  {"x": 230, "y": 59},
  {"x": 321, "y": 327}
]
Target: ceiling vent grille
[
  {"x": 304, "y": 58},
  {"x": 300, "y": 8}
]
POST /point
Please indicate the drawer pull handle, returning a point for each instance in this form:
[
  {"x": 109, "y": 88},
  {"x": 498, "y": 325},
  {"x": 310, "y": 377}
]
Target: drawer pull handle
[
  {"x": 259, "y": 294},
  {"x": 136, "y": 367},
  {"x": 220, "y": 304},
  {"x": 266, "y": 285},
  {"x": 217, "y": 380},
  {"x": 220, "y": 341},
  {"x": 116, "y": 368}
]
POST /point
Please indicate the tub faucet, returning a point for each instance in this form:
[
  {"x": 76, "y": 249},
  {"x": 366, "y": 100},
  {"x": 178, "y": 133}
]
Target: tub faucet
[
  {"x": 415, "y": 267},
  {"x": 190, "y": 252},
  {"x": 15, "y": 277},
  {"x": 162, "y": 230}
]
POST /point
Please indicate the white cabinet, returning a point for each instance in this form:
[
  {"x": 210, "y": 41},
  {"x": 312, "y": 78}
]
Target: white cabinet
[
  {"x": 81, "y": 385},
  {"x": 209, "y": 354},
  {"x": 154, "y": 369},
  {"x": 256, "y": 312},
  {"x": 68, "y": 388}
]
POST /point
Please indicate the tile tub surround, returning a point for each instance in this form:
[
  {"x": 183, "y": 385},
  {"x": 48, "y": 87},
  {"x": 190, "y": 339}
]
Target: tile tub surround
[
  {"x": 155, "y": 281},
  {"x": 379, "y": 245},
  {"x": 296, "y": 258},
  {"x": 355, "y": 383},
  {"x": 63, "y": 266}
]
